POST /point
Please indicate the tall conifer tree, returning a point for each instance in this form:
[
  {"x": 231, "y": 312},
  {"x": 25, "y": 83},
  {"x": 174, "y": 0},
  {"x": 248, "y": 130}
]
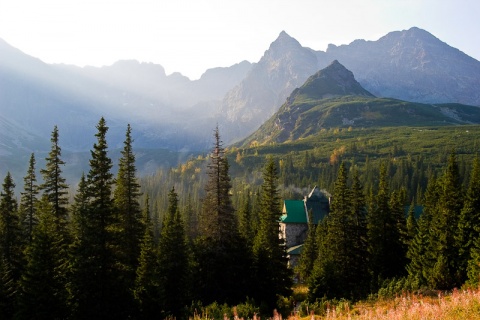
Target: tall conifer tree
[
  {"x": 384, "y": 237},
  {"x": 220, "y": 251},
  {"x": 11, "y": 260},
  {"x": 173, "y": 260},
  {"x": 128, "y": 211},
  {"x": 54, "y": 185},
  {"x": 444, "y": 274},
  {"x": 420, "y": 251},
  {"x": 43, "y": 293},
  {"x": 359, "y": 268},
  {"x": 469, "y": 221},
  {"x": 245, "y": 218},
  {"x": 272, "y": 276},
  {"x": 341, "y": 270},
  {"x": 29, "y": 200},
  {"x": 147, "y": 282},
  {"x": 97, "y": 289}
]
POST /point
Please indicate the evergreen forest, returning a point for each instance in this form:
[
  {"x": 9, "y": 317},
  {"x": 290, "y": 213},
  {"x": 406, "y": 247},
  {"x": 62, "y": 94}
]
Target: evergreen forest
[{"x": 202, "y": 238}]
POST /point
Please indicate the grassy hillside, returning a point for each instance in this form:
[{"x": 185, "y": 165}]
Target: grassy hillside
[
  {"x": 303, "y": 117},
  {"x": 431, "y": 143}
]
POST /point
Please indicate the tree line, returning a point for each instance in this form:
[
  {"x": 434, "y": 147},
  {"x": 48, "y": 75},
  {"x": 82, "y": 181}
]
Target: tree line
[
  {"x": 105, "y": 256},
  {"x": 368, "y": 245}
]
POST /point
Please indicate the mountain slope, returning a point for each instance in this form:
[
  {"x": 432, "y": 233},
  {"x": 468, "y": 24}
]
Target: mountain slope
[
  {"x": 282, "y": 68},
  {"x": 332, "y": 98},
  {"x": 165, "y": 111},
  {"x": 170, "y": 111},
  {"x": 410, "y": 65}
]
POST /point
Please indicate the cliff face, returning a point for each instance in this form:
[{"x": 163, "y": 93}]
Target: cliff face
[{"x": 284, "y": 66}]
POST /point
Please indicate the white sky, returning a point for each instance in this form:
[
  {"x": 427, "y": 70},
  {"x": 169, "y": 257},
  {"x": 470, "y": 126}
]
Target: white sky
[{"x": 190, "y": 36}]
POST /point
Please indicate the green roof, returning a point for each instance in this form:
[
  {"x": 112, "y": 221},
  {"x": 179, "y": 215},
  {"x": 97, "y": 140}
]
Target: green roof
[{"x": 294, "y": 212}]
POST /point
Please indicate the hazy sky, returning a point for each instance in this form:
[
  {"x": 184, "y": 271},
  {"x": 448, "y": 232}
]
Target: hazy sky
[{"x": 190, "y": 36}]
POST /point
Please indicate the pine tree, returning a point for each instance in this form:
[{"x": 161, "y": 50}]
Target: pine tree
[
  {"x": 54, "y": 185},
  {"x": 386, "y": 249},
  {"x": 343, "y": 245},
  {"x": 147, "y": 287},
  {"x": 220, "y": 251},
  {"x": 469, "y": 221},
  {"x": 97, "y": 289},
  {"x": 420, "y": 251},
  {"x": 173, "y": 260},
  {"x": 43, "y": 293},
  {"x": 397, "y": 210},
  {"x": 444, "y": 225},
  {"x": 360, "y": 276},
  {"x": 10, "y": 248},
  {"x": 245, "y": 219},
  {"x": 29, "y": 200},
  {"x": 128, "y": 211},
  {"x": 79, "y": 210},
  {"x": 272, "y": 275},
  {"x": 411, "y": 224}
]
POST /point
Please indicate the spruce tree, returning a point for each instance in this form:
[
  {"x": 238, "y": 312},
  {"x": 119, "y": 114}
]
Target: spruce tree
[
  {"x": 43, "y": 293},
  {"x": 79, "y": 210},
  {"x": 147, "y": 282},
  {"x": 397, "y": 210},
  {"x": 386, "y": 250},
  {"x": 54, "y": 185},
  {"x": 220, "y": 251},
  {"x": 359, "y": 268},
  {"x": 341, "y": 271},
  {"x": 469, "y": 221},
  {"x": 173, "y": 260},
  {"x": 420, "y": 251},
  {"x": 445, "y": 272},
  {"x": 97, "y": 290},
  {"x": 128, "y": 211},
  {"x": 10, "y": 247},
  {"x": 411, "y": 224},
  {"x": 272, "y": 275},
  {"x": 245, "y": 219},
  {"x": 29, "y": 200},
  {"x": 326, "y": 281}
]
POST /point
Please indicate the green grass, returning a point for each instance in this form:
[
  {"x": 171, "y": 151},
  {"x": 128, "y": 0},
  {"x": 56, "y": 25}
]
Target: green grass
[
  {"x": 305, "y": 117},
  {"x": 432, "y": 143}
]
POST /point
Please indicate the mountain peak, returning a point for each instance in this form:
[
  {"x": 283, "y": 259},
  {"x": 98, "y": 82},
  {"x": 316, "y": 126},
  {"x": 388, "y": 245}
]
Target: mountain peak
[
  {"x": 334, "y": 80},
  {"x": 284, "y": 42},
  {"x": 284, "y": 34}
]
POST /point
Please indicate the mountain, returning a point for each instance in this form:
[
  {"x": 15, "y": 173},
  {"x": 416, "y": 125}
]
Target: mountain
[
  {"x": 333, "y": 99},
  {"x": 282, "y": 68},
  {"x": 37, "y": 96},
  {"x": 172, "y": 112},
  {"x": 165, "y": 111},
  {"x": 410, "y": 65}
]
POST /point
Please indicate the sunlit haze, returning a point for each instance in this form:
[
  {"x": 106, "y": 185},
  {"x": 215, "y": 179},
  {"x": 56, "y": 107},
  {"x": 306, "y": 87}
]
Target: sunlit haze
[{"x": 190, "y": 36}]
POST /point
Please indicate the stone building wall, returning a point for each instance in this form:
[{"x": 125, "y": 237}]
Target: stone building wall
[{"x": 293, "y": 233}]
